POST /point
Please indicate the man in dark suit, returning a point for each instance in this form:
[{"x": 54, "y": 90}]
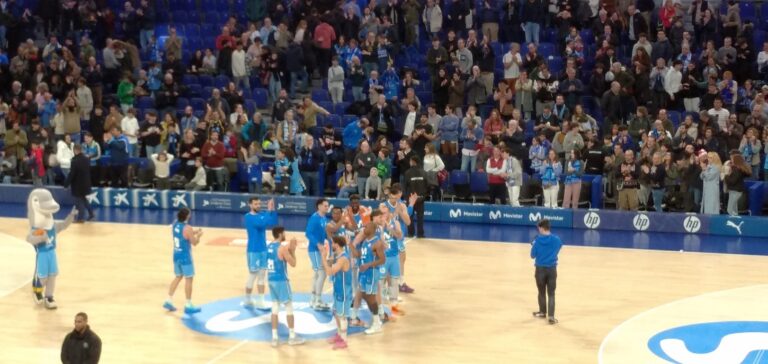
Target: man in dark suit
[
  {"x": 416, "y": 183},
  {"x": 79, "y": 183}
]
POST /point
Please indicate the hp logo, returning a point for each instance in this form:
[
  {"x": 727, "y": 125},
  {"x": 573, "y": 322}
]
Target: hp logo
[
  {"x": 641, "y": 222},
  {"x": 592, "y": 220},
  {"x": 692, "y": 224}
]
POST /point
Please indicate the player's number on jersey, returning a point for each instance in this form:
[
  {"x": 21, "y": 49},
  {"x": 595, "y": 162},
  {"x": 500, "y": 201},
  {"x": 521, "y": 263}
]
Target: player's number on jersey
[
  {"x": 270, "y": 265},
  {"x": 176, "y": 243}
]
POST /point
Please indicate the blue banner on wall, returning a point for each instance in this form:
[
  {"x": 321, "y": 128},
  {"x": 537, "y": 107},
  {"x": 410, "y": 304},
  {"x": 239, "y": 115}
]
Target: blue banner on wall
[
  {"x": 641, "y": 221},
  {"x": 150, "y": 199},
  {"x": 118, "y": 197},
  {"x": 738, "y": 226},
  {"x": 528, "y": 216},
  {"x": 220, "y": 201}
]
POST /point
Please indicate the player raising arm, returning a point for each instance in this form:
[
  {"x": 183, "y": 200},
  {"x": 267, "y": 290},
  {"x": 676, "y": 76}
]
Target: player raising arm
[
  {"x": 184, "y": 237},
  {"x": 279, "y": 256},
  {"x": 340, "y": 272}
]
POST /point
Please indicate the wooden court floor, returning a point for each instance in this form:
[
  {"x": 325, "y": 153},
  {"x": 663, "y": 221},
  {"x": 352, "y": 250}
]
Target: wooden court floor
[{"x": 473, "y": 300}]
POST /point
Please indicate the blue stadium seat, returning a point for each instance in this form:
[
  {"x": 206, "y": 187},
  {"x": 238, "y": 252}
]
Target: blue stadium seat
[
  {"x": 555, "y": 65},
  {"x": 189, "y": 79},
  {"x": 145, "y": 102},
  {"x": 207, "y": 92},
  {"x": 547, "y": 49},
  {"x": 246, "y": 93},
  {"x": 221, "y": 81},
  {"x": 675, "y": 118},
  {"x": 325, "y": 105},
  {"x": 335, "y": 120},
  {"x": 251, "y": 107},
  {"x": 182, "y": 102},
  {"x": 192, "y": 30},
  {"x": 194, "y": 90},
  {"x": 319, "y": 95},
  {"x": 340, "y": 108},
  {"x": 478, "y": 185},
  {"x": 179, "y": 17},
  {"x": 205, "y": 80},
  {"x": 198, "y": 104},
  {"x": 260, "y": 97}
]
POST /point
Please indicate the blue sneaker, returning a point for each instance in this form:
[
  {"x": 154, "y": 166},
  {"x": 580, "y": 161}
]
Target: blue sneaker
[
  {"x": 169, "y": 306},
  {"x": 189, "y": 309}
]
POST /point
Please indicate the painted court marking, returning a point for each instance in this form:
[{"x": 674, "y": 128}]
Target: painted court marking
[
  {"x": 228, "y": 351},
  {"x": 15, "y": 276},
  {"x": 640, "y": 315}
]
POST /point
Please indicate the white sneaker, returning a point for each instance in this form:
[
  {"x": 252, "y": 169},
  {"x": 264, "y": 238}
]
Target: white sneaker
[
  {"x": 261, "y": 305},
  {"x": 248, "y": 303},
  {"x": 50, "y": 304},
  {"x": 374, "y": 329},
  {"x": 296, "y": 341},
  {"x": 274, "y": 342},
  {"x": 321, "y": 306}
]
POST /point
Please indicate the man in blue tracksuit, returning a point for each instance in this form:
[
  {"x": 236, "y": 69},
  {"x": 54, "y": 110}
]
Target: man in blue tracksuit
[{"x": 545, "y": 249}]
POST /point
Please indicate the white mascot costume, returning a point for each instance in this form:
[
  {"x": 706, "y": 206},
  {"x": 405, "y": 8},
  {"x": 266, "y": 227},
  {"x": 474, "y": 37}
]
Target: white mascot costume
[{"x": 42, "y": 235}]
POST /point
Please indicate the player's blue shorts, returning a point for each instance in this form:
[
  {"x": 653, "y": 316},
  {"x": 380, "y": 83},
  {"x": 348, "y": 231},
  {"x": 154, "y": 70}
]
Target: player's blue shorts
[
  {"x": 47, "y": 264},
  {"x": 315, "y": 258},
  {"x": 392, "y": 267},
  {"x": 341, "y": 307},
  {"x": 280, "y": 291},
  {"x": 257, "y": 261},
  {"x": 369, "y": 281},
  {"x": 401, "y": 245},
  {"x": 184, "y": 268}
]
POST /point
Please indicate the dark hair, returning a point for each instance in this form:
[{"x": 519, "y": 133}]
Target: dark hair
[
  {"x": 320, "y": 202},
  {"x": 354, "y": 197},
  {"x": 183, "y": 214},
  {"x": 254, "y": 198},
  {"x": 83, "y": 315},
  {"x": 395, "y": 189},
  {"x": 277, "y": 230},
  {"x": 339, "y": 241},
  {"x": 577, "y": 154},
  {"x": 336, "y": 208},
  {"x": 415, "y": 159},
  {"x": 543, "y": 224},
  {"x": 375, "y": 213}
]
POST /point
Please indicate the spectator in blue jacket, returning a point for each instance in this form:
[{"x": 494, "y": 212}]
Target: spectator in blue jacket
[
  {"x": 352, "y": 135},
  {"x": 448, "y": 132},
  {"x": 471, "y": 135},
  {"x": 545, "y": 250},
  {"x": 117, "y": 150}
]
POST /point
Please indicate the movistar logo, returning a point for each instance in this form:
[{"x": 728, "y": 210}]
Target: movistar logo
[
  {"x": 228, "y": 319},
  {"x": 713, "y": 343},
  {"x": 454, "y": 213}
]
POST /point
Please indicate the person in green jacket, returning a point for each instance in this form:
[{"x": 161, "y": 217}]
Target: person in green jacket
[{"x": 125, "y": 92}]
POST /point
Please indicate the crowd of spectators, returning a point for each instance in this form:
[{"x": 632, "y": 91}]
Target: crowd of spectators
[{"x": 665, "y": 100}]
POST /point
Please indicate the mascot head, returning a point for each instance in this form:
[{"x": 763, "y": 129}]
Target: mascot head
[{"x": 40, "y": 208}]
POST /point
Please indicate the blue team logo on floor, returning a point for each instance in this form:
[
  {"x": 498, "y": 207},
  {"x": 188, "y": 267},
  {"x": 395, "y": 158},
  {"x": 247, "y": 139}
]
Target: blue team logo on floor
[
  {"x": 727, "y": 342},
  {"x": 228, "y": 319}
]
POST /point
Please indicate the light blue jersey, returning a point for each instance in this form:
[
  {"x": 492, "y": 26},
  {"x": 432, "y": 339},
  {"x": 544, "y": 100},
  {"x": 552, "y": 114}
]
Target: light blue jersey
[
  {"x": 256, "y": 225},
  {"x": 391, "y": 266},
  {"x": 182, "y": 252},
  {"x": 277, "y": 269},
  {"x": 369, "y": 278},
  {"x": 316, "y": 234},
  {"x": 403, "y": 227},
  {"x": 46, "y": 263},
  {"x": 342, "y": 289}
]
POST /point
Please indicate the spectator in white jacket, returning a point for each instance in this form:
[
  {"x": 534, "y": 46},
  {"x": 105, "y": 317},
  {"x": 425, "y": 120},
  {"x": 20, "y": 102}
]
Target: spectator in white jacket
[
  {"x": 673, "y": 81},
  {"x": 239, "y": 69},
  {"x": 336, "y": 81},
  {"x": 514, "y": 174},
  {"x": 130, "y": 127},
  {"x": 432, "y": 17},
  {"x": 84, "y": 99},
  {"x": 64, "y": 154}
]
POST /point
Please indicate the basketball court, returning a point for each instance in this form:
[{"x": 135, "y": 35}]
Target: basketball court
[{"x": 473, "y": 303}]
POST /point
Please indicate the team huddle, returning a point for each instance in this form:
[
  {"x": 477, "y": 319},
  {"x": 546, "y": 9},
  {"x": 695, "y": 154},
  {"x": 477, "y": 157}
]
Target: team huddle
[{"x": 361, "y": 250}]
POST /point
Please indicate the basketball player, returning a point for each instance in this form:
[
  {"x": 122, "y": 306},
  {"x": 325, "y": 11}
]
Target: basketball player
[
  {"x": 403, "y": 215},
  {"x": 278, "y": 254},
  {"x": 393, "y": 235},
  {"x": 357, "y": 214},
  {"x": 316, "y": 235},
  {"x": 338, "y": 224},
  {"x": 184, "y": 236},
  {"x": 340, "y": 272},
  {"x": 545, "y": 249},
  {"x": 256, "y": 224},
  {"x": 371, "y": 254}
]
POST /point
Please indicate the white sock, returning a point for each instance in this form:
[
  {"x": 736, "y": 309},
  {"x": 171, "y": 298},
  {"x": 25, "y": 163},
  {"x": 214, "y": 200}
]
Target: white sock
[
  {"x": 376, "y": 320},
  {"x": 343, "y": 328},
  {"x": 247, "y": 296},
  {"x": 170, "y": 299},
  {"x": 353, "y": 314},
  {"x": 189, "y": 302},
  {"x": 291, "y": 333},
  {"x": 274, "y": 333}
]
